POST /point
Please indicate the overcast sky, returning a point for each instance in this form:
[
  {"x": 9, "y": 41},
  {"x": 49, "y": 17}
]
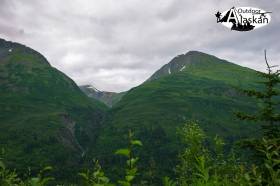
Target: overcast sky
[{"x": 116, "y": 45}]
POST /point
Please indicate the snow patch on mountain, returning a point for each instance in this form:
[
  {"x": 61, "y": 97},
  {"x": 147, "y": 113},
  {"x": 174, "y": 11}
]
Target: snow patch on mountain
[
  {"x": 93, "y": 88},
  {"x": 182, "y": 68}
]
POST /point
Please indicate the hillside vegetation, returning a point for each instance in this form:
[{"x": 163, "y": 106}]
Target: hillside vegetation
[
  {"x": 206, "y": 90},
  {"x": 44, "y": 117},
  {"x": 190, "y": 123}
]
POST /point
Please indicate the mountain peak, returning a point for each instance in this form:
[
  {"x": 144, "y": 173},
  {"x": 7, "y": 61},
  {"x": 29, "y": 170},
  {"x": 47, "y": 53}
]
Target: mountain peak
[
  {"x": 193, "y": 56},
  {"x": 9, "y": 48},
  {"x": 91, "y": 87},
  {"x": 109, "y": 98},
  {"x": 194, "y": 52},
  {"x": 184, "y": 62},
  {"x": 43, "y": 110}
]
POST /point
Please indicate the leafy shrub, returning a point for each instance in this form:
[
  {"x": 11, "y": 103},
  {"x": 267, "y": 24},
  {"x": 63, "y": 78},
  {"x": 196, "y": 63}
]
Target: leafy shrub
[{"x": 96, "y": 177}]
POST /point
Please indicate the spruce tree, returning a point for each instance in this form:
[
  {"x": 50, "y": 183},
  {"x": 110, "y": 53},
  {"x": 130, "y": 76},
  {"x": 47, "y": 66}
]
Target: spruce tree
[{"x": 267, "y": 115}]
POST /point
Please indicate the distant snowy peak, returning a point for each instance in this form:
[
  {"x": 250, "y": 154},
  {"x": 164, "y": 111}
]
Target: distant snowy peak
[
  {"x": 92, "y": 87},
  {"x": 109, "y": 98}
]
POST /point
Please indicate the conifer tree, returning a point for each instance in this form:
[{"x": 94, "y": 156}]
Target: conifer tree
[{"x": 267, "y": 114}]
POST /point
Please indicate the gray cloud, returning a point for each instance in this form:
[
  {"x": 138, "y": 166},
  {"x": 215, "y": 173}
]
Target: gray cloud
[{"x": 117, "y": 45}]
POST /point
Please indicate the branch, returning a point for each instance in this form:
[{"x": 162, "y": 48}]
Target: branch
[
  {"x": 265, "y": 58},
  {"x": 269, "y": 68}
]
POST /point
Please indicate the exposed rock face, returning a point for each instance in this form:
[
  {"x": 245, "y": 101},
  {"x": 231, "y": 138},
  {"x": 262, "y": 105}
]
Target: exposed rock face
[{"x": 67, "y": 134}]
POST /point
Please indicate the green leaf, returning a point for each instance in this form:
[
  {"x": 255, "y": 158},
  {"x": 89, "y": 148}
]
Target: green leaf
[
  {"x": 83, "y": 175},
  {"x": 35, "y": 181},
  {"x": 129, "y": 178},
  {"x": 267, "y": 166},
  {"x": 48, "y": 168},
  {"x": 124, "y": 183},
  {"x": 123, "y": 152},
  {"x": 131, "y": 171},
  {"x": 136, "y": 142},
  {"x": 2, "y": 166},
  {"x": 134, "y": 161},
  {"x": 247, "y": 177},
  {"x": 46, "y": 180},
  {"x": 104, "y": 179}
]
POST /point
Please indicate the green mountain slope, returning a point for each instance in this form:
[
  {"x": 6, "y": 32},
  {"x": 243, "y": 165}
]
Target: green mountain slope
[
  {"x": 194, "y": 86},
  {"x": 208, "y": 66},
  {"x": 45, "y": 119}
]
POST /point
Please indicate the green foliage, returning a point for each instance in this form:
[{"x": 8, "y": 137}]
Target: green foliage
[
  {"x": 42, "y": 179},
  {"x": 131, "y": 168},
  {"x": 166, "y": 181},
  {"x": 205, "y": 91},
  {"x": 10, "y": 178},
  {"x": 7, "y": 177},
  {"x": 266, "y": 150},
  {"x": 268, "y": 172},
  {"x": 45, "y": 119},
  {"x": 199, "y": 166},
  {"x": 270, "y": 148},
  {"x": 96, "y": 177},
  {"x": 193, "y": 137},
  {"x": 267, "y": 114}
]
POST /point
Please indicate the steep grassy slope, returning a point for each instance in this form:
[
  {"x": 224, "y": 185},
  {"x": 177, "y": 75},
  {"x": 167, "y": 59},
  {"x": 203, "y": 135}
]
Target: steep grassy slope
[
  {"x": 44, "y": 117},
  {"x": 208, "y": 66},
  {"x": 195, "y": 86}
]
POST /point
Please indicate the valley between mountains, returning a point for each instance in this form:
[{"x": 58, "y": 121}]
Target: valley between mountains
[{"x": 47, "y": 119}]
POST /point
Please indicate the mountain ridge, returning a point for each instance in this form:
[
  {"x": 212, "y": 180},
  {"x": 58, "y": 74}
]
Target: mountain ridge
[
  {"x": 206, "y": 92},
  {"x": 45, "y": 119},
  {"x": 192, "y": 59},
  {"x": 8, "y": 47}
]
